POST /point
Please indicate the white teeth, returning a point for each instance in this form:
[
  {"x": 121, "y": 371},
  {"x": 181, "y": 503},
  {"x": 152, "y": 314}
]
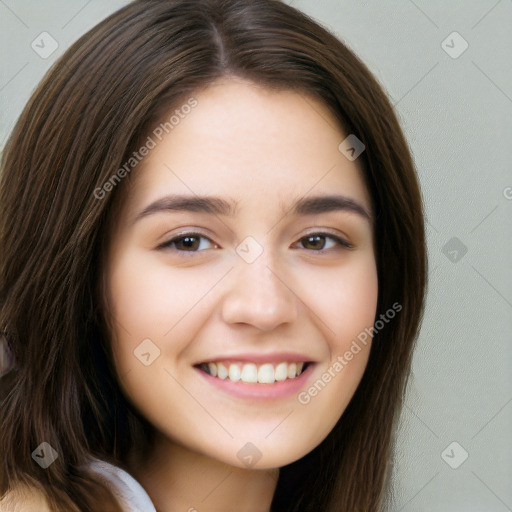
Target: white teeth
[
  {"x": 251, "y": 373},
  {"x": 222, "y": 371},
  {"x": 212, "y": 368},
  {"x": 266, "y": 374},
  {"x": 234, "y": 372},
  {"x": 281, "y": 371}
]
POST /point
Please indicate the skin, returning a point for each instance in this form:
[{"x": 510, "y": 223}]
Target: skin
[{"x": 264, "y": 150}]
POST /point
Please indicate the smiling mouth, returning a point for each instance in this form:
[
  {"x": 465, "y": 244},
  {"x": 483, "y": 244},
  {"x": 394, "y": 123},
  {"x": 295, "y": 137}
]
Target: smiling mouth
[{"x": 266, "y": 373}]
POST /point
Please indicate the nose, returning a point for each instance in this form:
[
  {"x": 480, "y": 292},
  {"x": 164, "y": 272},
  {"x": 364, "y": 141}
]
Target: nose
[{"x": 258, "y": 294}]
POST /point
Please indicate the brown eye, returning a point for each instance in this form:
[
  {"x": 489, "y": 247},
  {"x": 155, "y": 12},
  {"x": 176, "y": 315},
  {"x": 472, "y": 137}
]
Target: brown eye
[
  {"x": 317, "y": 242},
  {"x": 189, "y": 242}
]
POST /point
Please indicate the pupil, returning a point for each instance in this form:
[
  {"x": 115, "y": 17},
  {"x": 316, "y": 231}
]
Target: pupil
[
  {"x": 313, "y": 239},
  {"x": 189, "y": 241}
]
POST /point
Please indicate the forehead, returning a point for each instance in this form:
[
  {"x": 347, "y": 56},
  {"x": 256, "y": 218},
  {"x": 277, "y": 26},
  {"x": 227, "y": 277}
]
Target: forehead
[{"x": 243, "y": 140}]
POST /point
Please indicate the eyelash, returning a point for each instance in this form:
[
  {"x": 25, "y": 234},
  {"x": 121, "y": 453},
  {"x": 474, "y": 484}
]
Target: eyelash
[{"x": 343, "y": 244}]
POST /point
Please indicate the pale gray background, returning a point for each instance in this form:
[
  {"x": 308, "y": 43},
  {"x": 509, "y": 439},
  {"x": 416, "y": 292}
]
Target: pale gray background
[{"x": 457, "y": 116}]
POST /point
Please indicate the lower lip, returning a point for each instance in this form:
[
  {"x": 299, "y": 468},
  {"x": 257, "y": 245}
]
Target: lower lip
[{"x": 275, "y": 391}]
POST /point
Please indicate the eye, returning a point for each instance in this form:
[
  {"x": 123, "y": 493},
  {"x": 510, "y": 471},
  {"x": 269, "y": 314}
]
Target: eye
[
  {"x": 188, "y": 242},
  {"x": 317, "y": 242},
  {"x": 195, "y": 242}
]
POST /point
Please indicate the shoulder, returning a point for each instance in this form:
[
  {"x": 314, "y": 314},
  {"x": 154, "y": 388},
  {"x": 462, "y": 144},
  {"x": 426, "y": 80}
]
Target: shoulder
[{"x": 24, "y": 499}]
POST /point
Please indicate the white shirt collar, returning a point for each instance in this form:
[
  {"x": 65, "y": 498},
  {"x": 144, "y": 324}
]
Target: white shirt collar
[{"x": 130, "y": 494}]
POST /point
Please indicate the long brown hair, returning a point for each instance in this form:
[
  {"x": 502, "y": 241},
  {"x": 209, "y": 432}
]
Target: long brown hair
[{"x": 90, "y": 112}]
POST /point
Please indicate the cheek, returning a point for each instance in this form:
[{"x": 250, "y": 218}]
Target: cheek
[
  {"x": 345, "y": 299},
  {"x": 148, "y": 298},
  {"x": 346, "y": 303},
  {"x": 352, "y": 309},
  {"x": 354, "y": 304},
  {"x": 136, "y": 299}
]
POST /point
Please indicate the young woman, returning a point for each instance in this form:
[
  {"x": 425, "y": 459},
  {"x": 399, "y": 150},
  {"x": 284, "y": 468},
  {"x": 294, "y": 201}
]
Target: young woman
[{"x": 213, "y": 269}]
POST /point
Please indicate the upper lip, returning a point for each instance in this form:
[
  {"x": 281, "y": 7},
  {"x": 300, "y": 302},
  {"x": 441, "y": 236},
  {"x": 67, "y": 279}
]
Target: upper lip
[{"x": 274, "y": 357}]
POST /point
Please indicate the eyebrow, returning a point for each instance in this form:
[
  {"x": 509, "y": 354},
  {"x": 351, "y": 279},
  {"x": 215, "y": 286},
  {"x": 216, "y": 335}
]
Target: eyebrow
[{"x": 212, "y": 205}]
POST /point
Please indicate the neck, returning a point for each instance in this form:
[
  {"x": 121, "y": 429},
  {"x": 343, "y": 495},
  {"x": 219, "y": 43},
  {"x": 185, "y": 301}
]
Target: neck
[{"x": 178, "y": 479}]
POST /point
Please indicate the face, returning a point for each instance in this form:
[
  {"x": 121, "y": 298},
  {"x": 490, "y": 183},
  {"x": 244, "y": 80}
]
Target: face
[{"x": 239, "y": 276}]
